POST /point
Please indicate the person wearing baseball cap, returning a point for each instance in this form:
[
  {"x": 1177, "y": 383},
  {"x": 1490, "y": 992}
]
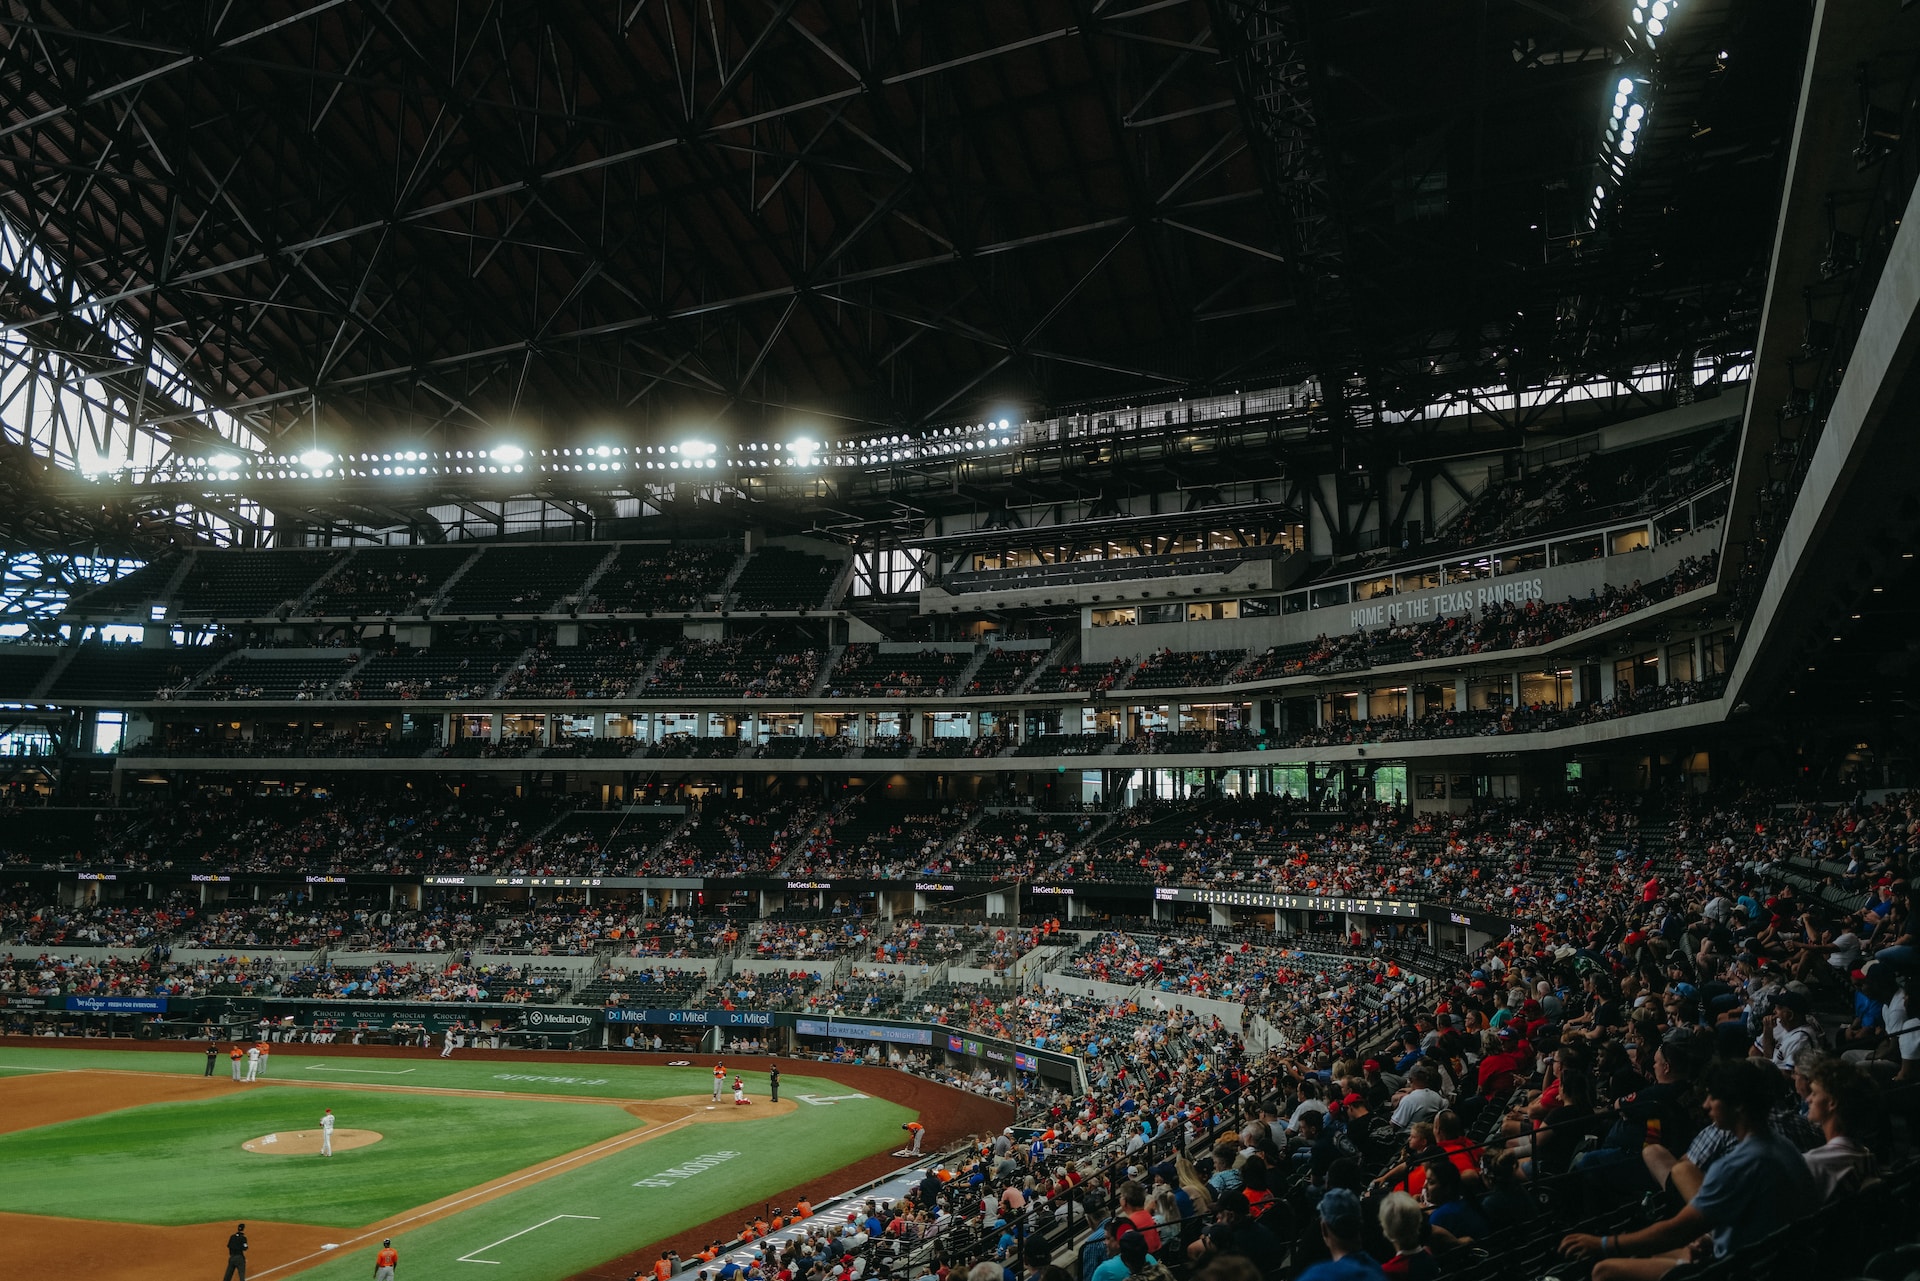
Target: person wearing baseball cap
[
  {"x": 1236, "y": 1232},
  {"x": 386, "y": 1261},
  {"x": 1341, "y": 1228}
]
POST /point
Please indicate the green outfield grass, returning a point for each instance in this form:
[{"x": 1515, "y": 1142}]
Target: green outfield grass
[
  {"x": 775, "y": 1154},
  {"x": 504, "y": 1075},
  {"x": 176, "y": 1163}
]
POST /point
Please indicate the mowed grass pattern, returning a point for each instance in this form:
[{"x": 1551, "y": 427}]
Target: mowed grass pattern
[
  {"x": 179, "y": 1163},
  {"x": 775, "y": 1154}
]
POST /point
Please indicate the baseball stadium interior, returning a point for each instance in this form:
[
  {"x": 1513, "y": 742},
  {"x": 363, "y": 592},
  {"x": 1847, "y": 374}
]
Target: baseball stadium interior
[{"x": 1317, "y": 597}]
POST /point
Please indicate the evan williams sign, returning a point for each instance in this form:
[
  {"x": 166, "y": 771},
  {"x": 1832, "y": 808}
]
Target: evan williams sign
[{"x": 1388, "y": 611}]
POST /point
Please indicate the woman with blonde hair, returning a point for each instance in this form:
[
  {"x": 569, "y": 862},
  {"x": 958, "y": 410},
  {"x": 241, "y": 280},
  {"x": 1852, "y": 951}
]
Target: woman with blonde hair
[
  {"x": 1193, "y": 1185},
  {"x": 1166, "y": 1213}
]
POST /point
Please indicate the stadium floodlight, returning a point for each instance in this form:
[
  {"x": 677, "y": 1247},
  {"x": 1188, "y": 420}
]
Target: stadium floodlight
[
  {"x": 1625, "y": 85},
  {"x": 804, "y": 450},
  {"x": 506, "y": 453},
  {"x": 315, "y": 459},
  {"x": 224, "y": 462},
  {"x": 92, "y": 464},
  {"x": 696, "y": 448},
  {"x": 1655, "y": 26}
]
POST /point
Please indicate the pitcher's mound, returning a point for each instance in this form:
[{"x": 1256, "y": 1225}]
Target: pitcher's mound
[{"x": 307, "y": 1142}]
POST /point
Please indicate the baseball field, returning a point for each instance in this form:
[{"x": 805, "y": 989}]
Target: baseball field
[{"x": 131, "y": 1165}]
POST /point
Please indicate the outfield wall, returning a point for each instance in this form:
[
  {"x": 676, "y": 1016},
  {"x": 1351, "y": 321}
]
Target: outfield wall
[{"x": 157, "y": 1019}]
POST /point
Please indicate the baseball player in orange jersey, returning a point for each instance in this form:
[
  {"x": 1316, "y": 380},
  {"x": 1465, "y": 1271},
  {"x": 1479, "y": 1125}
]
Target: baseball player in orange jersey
[
  {"x": 386, "y": 1261},
  {"x": 719, "y": 1079}
]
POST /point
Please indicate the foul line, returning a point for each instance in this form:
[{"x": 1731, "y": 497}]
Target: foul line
[
  {"x": 538, "y": 1172},
  {"x": 468, "y": 1257},
  {"x": 364, "y": 1071}
]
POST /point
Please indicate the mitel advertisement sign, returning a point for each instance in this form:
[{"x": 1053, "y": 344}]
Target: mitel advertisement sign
[{"x": 693, "y": 1018}]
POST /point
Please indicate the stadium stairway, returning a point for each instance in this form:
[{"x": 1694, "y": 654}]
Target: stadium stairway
[
  {"x": 842, "y": 584},
  {"x": 965, "y": 679},
  {"x": 313, "y": 588},
  {"x": 199, "y": 681},
  {"x": 447, "y": 584},
  {"x": 648, "y": 668},
  {"x": 827, "y": 665},
  {"x": 1058, "y": 656},
  {"x": 725, "y": 590},
  {"x": 959, "y": 833},
  {"x": 508, "y": 669},
  {"x": 584, "y": 593}
]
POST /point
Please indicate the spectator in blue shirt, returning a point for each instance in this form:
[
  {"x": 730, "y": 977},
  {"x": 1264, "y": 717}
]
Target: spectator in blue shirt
[
  {"x": 1755, "y": 1186},
  {"x": 1225, "y": 1178}
]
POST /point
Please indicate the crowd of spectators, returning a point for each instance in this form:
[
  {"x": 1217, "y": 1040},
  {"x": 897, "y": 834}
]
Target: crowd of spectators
[
  {"x": 455, "y": 981},
  {"x": 740, "y": 667},
  {"x": 50, "y": 975},
  {"x": 1011, "y": 843},
  {"x": 1643, "y": 1072},
  {"x": 38, "y": 920}
]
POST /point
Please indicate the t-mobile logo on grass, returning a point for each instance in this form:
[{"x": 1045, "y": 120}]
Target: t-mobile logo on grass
[{"x": 667, "y": 1178}]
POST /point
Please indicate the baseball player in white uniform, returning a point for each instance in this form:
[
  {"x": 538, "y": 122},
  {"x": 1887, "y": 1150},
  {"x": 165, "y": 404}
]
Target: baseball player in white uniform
[
  {"x": 326, "y": 1133},
  {"x": 253, "y": 1062},
  {"x": 446, "y": 1049}
]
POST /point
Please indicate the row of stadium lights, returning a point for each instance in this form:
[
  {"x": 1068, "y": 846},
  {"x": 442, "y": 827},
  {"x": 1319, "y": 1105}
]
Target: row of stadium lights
[
  {"x": 1623, "y": 129},
  {"x": 510, "y": 459},
  {"x": 1647, "y": 23}
]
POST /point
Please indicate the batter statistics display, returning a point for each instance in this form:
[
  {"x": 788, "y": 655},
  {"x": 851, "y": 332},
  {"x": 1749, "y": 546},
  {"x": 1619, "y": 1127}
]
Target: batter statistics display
[
  {"x": 1495, "y": 925},
  {"x": 1290, "y": 902}
]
